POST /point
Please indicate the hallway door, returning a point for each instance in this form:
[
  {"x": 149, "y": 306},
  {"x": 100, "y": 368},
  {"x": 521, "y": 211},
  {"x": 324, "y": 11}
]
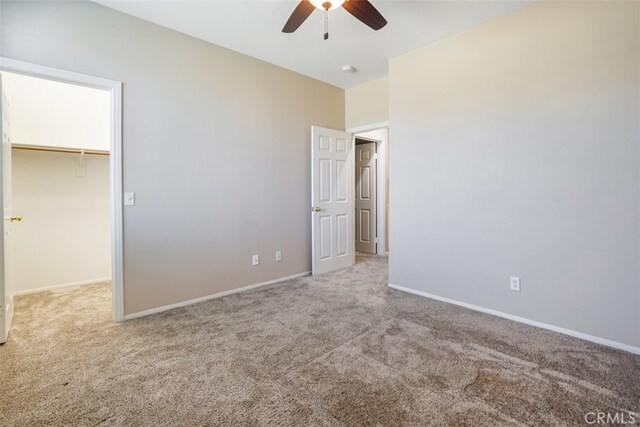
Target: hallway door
[{"x": 366, "y": 180}]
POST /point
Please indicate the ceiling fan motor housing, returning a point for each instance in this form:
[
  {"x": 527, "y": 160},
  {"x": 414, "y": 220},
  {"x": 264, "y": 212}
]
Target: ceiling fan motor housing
[{"x": 362, "y": 10}]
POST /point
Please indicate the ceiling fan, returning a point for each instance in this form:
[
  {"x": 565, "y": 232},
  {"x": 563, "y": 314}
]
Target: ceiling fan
[{"x": 361, "y": 9}]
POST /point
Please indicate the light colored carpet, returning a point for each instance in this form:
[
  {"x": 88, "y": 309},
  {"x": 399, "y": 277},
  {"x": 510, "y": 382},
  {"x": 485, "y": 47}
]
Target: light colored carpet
[{"x": 338, "y": 349}]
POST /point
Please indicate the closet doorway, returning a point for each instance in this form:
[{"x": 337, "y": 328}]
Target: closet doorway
[{"x": 64, "y": 230}]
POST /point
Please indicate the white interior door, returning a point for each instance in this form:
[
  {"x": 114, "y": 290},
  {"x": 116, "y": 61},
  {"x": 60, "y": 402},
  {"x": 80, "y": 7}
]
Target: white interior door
[
  {"x": 366, "y": 179},
  {"x": 6, "y": 291},
  {"x": 332, "y": 186}
]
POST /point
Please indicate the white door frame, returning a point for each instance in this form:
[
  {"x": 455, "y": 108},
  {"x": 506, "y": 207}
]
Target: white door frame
[
  {"x": 382, "y": 152},
  {"x": 115, "y": 160}
]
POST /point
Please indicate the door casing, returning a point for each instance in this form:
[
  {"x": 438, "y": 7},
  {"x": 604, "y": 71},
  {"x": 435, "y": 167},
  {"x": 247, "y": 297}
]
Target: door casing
[
  {"x": 115, "y": 159},
  {"x": 382, "y": 151},
  {"x": 6, "y": 300}
]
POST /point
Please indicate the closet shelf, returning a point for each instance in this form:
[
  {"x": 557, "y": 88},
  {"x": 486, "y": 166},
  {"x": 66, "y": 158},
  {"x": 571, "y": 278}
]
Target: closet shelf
[{"x": 59, "y": 149}]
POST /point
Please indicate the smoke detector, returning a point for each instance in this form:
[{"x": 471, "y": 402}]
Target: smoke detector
[{"x": 349, "y": 69}]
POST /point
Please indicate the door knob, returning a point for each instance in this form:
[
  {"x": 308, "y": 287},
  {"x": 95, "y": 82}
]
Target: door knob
[
  {"x": 15, "y": 218},
  {"x": 316, "y": 209}
]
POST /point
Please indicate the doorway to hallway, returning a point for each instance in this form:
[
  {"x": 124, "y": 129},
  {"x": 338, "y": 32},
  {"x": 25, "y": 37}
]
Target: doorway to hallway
[{"x": 371, "y": 192}]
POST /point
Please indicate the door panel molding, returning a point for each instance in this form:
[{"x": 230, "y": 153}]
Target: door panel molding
[
  {"x": 383, "y": 177},
  {"x": 365, "y": 196},
  {"x": 332, "y": 189}
]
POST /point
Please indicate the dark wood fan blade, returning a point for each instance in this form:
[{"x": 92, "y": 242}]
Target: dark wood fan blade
[
  {"x": 299, "y": 15},
  {"x": 366, "y": 13}
]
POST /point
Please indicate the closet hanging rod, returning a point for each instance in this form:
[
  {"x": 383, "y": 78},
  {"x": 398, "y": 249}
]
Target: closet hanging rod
[{"x": 59, "y": 149}]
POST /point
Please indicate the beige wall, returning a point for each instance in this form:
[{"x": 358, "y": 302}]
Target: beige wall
[
  {"x": 216, "y": 147},
  {"x": 367, "y": 103},
  {"x": 64, "y": 236},
  {"x": 516, "y": 152}
]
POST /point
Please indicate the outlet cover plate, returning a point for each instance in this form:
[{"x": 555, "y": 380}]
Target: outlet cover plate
[{"x": 515, "y": 284}]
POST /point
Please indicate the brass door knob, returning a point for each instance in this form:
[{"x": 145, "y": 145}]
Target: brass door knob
[
  {"x": 316, "y": 209},
  {"x": 15, "y": 218}
]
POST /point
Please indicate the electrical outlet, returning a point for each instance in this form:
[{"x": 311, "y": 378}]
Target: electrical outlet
[
  {"x": 278, "y": 256},
  {"x": 255, "y": 260},
  {"x": 515, "y": 283}
]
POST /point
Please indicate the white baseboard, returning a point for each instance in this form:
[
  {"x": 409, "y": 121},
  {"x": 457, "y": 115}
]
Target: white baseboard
[
  {"x": 8, "y": 317},
  {"x": 586, "y": 337},
  {"x": 210, "y": 297},
  {"x": 11, "y": 307},
  {"x": 61, "y": 286}
]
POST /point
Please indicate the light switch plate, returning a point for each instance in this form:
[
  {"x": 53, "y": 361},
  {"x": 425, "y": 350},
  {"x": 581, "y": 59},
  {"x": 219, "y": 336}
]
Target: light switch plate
[{"x": 129, "y": 199}]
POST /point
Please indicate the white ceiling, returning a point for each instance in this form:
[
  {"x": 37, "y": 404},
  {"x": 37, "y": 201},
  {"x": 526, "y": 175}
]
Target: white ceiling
[{"x": 254, "y": 28}]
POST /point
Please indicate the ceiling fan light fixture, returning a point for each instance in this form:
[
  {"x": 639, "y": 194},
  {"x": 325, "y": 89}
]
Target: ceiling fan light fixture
[
  {"x": 322, "y": 4},
  {"x": 362, "y": 10}
]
